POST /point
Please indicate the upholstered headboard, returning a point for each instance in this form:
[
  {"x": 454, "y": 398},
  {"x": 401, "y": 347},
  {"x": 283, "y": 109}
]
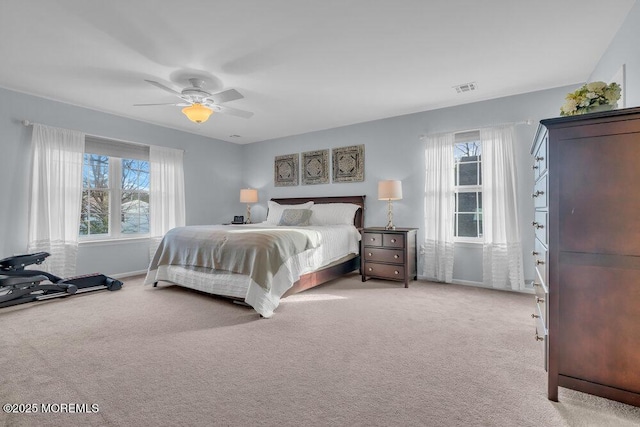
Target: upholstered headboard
[{"x": 358, "y": 220}]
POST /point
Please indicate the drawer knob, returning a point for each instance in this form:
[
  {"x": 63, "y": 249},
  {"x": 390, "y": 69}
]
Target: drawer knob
[
  {"x": 536, "y": 284},
  {"x": 537, "y": 225},
  {"x": 370, "y": 269},
  {"x": 538, "y": 262},
  {"x": 539, "y": 338},
  {"x": 534, "y": 316},
  {"x": 369, "y": 254},
  {"x": 373, "y": 239},
  {"x": 534, "y": 253},
  {"x": 396, "y": 272},
  {"x": 539, "y": 159},
  {"x": 393, "y": 240},
  {"x": 535, "y": 166},
  {"x": 396, "y": 256},
  {"x": 539, "y": 300},
  {"x": 537, "y": 193}
]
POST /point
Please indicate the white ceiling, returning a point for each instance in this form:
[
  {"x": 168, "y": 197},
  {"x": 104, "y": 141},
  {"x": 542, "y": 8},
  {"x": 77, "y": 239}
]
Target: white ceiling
[{"x": 302, "y": 65}]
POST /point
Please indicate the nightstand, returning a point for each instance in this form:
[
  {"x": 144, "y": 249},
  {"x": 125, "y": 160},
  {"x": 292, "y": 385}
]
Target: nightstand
[{"x": 389, "y": 254}]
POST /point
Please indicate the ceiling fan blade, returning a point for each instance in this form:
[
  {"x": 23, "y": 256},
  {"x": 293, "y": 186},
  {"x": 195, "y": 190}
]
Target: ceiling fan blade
[
  {"x": 231, "y": 111},
  {"x": 225, "y": 96},
  {"x": 163, "y": 87}
]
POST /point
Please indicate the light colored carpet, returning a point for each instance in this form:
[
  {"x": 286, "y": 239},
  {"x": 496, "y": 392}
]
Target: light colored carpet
[{"x": 344, "y": 354}]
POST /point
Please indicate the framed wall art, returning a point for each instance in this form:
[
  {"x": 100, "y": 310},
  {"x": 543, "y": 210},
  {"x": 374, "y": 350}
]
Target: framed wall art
[
  {"x": 285, "y": 170},
  {"x": 315, "y": 167},
  {"x": 348, "y": 163}
]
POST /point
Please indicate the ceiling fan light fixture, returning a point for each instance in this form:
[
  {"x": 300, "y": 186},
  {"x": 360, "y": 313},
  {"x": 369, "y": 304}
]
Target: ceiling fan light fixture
[{"x": 197, "y": 113}]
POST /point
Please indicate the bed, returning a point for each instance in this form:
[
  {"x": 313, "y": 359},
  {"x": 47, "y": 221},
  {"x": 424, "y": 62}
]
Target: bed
[{"x": 258, "y": 264}]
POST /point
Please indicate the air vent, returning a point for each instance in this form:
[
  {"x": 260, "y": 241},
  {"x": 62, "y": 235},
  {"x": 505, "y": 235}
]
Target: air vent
[{"x": 466, "y": 87}]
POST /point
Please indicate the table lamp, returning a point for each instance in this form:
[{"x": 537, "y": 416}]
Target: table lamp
[{"x": 390, "y": 190}]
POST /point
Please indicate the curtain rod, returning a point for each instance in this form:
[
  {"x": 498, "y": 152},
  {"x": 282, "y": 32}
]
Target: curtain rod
[
  {"x": 26, "y": 122},
  {"x": 527, "y": 122}
]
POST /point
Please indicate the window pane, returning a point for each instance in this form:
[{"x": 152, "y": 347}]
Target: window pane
[
  {"x": 468, "y": 225},
  {"x": 468, "y": 173},
  {"x": 467, "y": 149},
  {"x": 135, "y": 216},
  {"x": 96, "y": 171},
  {"x": 467, "y": 202},
  {"x": 134, "y": 208},
  {"x": 95, "y": 211}
]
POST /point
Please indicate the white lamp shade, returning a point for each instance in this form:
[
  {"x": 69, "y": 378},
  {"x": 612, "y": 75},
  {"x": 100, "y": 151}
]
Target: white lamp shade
[
  {"x": 248, "y": 195},
  {"x": 389, "y": 190}
]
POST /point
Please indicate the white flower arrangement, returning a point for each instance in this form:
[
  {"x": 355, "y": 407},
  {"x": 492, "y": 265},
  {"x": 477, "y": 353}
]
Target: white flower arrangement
[{"x": 590, "y": 96}]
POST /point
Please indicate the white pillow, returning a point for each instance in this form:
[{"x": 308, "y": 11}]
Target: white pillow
[
  {"x": 333, "y": 213},
  {"x": 275, "y": 210}
]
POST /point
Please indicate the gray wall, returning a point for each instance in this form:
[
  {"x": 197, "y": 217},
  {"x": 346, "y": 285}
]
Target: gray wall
[
  {"x": 211, "y": 170},
  {"x": 624, "y": 49},
  {"x": 394, "y": 150}
]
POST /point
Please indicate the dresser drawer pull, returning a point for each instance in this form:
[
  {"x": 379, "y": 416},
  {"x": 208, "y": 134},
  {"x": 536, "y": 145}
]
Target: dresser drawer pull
[
  {"x": 396, "y": 272},
  {"x": 369, "y": 254},
  {"x": 370, "y": 269},
  {"x": 535, "y": 166},
  {"x": 534, "y": 253},
  {"x": 373, "y": 239},
  {"x": 538, "y": 262},
  {"x": 393, "y": 240},
  {"x": 539, "y": 338},
  {"x": 537, "y": 225},
  {"x": 539, "y": 300},
  {"x": 536, "y": 285},
  {"x": 396, "y": 256},
  {"x": 534, "y": 316},
  {"x": 539, "y": 159},
  {"x": 537, "y": 193}
]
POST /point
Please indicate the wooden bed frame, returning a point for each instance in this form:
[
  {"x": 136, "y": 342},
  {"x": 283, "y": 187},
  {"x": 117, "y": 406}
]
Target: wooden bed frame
[{"x": 310, "y": 280}]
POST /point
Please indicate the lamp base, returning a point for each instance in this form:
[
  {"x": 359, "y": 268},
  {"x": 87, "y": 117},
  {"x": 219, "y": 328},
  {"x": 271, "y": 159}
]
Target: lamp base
[
  {"x": 248, "y": 221},
  {"x": 390, "y": 225}
]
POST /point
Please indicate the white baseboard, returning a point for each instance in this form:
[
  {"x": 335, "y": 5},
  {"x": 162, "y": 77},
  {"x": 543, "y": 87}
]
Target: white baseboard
[
  {"x": 481, "y": 285},
  {"x": 129, "y": 274}
]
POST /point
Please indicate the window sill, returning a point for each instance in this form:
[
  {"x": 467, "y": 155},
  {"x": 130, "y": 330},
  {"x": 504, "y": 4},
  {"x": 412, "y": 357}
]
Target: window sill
[
  {"x": 468, "y": 243},
  {"x": 115, "y": 241}
]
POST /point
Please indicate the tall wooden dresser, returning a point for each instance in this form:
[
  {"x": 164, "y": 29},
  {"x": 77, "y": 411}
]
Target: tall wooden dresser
[{"x": 587, "y": 252}]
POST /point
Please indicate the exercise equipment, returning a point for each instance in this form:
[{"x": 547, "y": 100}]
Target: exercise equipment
[{"x": 18, "y": 286}]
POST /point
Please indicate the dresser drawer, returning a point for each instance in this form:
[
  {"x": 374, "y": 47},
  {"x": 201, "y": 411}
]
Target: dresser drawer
[
  {"x": 386, "y": 271},
  {"x": 372, "y": 239},
  {"x": 540, "y": 225},
  {"x": 540, "y": 193},
  {"x": 540, "y": 158},
  {"x": 393, "y": 240},
  {"x": 384, "y": 255},
  {"x": 540, "y": 261}
]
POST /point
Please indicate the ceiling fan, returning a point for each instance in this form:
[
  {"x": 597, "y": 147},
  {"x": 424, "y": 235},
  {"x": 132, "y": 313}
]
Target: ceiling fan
[{"x": 200, "y": 104}]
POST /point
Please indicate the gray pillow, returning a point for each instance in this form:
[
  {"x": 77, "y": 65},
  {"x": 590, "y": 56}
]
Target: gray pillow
[{"x": 297, "y": 217}]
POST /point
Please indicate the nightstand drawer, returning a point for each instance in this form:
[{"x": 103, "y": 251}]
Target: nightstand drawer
[
  {"x": 372, "y": 239},
  {"x": 393, "y": 240},
  {"x": 384, "y": 255},
  {"x": 384, "y": 270}
]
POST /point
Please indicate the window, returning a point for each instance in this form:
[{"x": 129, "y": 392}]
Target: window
[
  {"x": 468, "y": 186},
  {"x": 115, "y": 190}
]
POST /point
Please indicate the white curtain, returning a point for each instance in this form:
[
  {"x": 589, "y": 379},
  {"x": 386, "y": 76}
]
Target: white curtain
[
  {"x": 166, "y": 192},
  {"x": 56, "y": 197},
  {"x": 502, "y": 249},
  {"x": 439, "y": 208}
]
